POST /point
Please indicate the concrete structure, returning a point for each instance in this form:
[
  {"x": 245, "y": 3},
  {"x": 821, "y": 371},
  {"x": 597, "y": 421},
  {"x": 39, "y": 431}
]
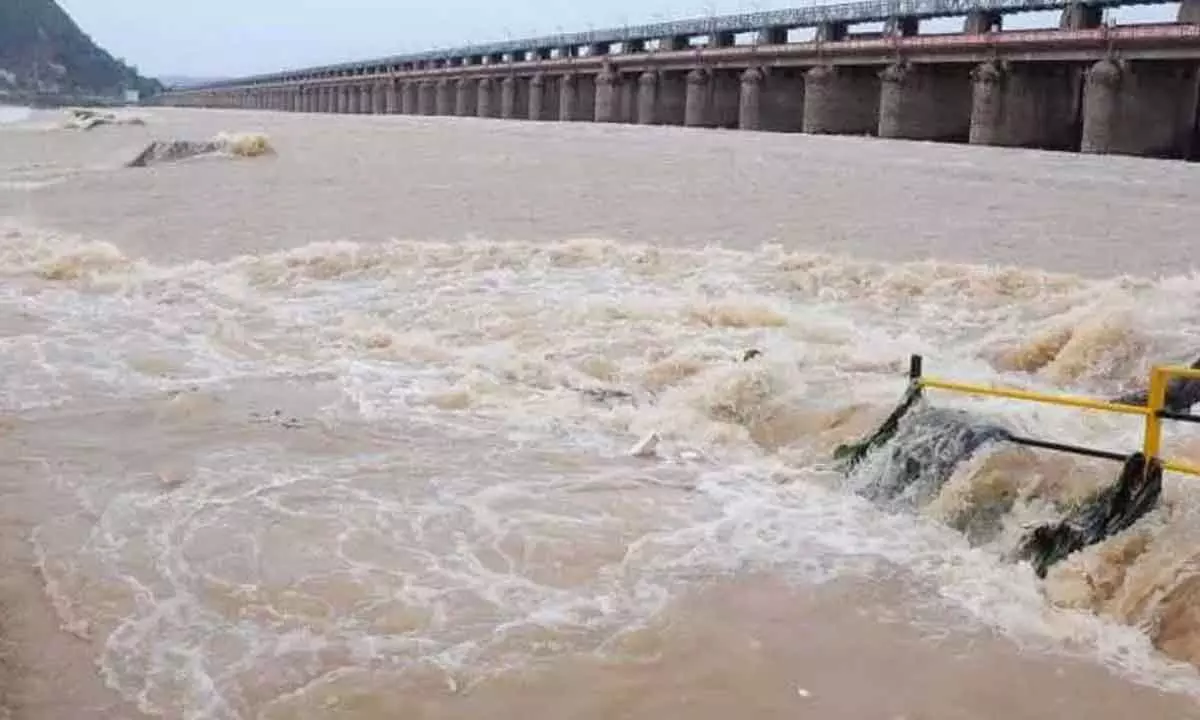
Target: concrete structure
[{"x": 1082, "y": 86}]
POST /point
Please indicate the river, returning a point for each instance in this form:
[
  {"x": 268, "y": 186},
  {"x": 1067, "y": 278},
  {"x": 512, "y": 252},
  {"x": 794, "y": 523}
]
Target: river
[{"x": 325, "y": 433}]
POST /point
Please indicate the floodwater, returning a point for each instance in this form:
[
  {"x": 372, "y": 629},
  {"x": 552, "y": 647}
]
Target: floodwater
[{"x": 345, "y": 432}]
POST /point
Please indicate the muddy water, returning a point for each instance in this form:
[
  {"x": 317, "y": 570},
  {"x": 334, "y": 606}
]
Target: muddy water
[{"x": 345, "y": 432}]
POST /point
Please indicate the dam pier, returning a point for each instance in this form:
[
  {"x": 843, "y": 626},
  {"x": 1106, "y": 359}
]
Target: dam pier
[{"x": 1085, "y": 86}]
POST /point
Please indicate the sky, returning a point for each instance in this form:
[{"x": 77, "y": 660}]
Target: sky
[{"x": 229, "y": 38}]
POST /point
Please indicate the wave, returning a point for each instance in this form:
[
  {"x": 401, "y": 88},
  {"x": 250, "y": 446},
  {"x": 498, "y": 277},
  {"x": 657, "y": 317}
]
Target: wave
[{"x": 487, "y": 394}]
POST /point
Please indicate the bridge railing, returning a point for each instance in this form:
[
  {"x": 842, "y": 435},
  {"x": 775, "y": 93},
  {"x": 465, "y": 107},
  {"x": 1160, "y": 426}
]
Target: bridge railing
[{"x": 851, "y": 12}]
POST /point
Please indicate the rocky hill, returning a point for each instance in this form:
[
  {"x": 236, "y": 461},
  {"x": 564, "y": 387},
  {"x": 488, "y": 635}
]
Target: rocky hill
[{"x": 43, "y": 52}]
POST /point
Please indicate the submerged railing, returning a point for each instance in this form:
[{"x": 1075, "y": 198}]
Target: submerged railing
[{"x": 1153, "y": 411}]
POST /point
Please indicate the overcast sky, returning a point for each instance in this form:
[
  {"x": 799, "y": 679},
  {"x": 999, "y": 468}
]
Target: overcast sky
[{"x": 238, "y": 37}]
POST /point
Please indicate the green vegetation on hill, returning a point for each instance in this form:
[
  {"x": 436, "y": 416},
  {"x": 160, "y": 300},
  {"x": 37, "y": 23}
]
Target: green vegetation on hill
[{"x": 43, "y": 51}]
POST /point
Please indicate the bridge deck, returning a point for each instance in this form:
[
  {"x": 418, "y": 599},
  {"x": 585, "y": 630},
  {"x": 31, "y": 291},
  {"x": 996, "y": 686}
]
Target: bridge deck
[{"x": 853, "y": 12}]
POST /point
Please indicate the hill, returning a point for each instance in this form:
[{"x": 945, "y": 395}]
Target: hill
[{"x": 43, "y": 52}]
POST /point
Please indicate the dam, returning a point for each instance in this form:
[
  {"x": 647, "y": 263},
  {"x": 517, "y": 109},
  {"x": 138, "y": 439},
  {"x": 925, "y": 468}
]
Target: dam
[{"x": 1085, "y": 86}]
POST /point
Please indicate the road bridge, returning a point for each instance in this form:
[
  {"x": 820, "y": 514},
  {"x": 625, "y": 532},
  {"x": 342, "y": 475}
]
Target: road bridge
[{"x": 1083, "y": 86}]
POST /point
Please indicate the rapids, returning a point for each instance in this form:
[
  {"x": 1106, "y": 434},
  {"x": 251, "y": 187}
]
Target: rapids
[{"x": 379, "y": 456}]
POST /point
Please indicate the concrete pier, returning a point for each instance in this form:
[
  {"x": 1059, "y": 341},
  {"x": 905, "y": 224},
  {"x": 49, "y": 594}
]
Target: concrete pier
[
  {"x": 697, "y": 98},
  {"x": 627, "y": 94},
  {"x": 750, "y": 100},
  {"x": 410, "y": 97},
  {"x": 426, "y": 98},
  {"x": 1025, "y": 105},
  {"x": 483, "y": 103},
  {"x": 391, "y": 102},
  {"x": 508, "y": 99},
  {"x": 607, "y": 101},
  {"x": 712, "y": 98},
  {"x": 1146, "y": 109},
  {"x": 841, "y": 100},
  {"x": 647, "y": 98},
  {"x": 925, "y": 102},
  {"x": 568, "y": 98},
  {"x": 379, "y": 94},
  {"x": 444, "y": 98},
  {"x": 537, "y": 97},
  {"x": 465, "y": 96}
]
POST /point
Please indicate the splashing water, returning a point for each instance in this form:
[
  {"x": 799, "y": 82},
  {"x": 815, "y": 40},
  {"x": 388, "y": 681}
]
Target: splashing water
[{"x": 414, "y": 455}]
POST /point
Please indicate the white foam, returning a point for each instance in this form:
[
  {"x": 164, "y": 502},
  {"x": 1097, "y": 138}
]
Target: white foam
[{"x": 503, "y": 503}]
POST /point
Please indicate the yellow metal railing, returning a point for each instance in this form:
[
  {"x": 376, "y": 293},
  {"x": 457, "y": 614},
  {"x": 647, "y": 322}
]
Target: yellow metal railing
[{"x": 1153, "y": 411}]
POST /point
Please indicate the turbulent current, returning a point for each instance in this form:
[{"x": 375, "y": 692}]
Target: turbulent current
[
  {"x": 354, "y": 479},
  {"x": 347, "y": 460}
]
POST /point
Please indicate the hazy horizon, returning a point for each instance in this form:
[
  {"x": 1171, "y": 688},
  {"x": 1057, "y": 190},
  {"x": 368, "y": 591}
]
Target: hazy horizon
[{"x": 221, "y": 38}]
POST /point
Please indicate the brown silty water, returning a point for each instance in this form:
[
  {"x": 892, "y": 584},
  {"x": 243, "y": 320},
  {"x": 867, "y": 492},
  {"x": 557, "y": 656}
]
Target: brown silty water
[{"x": 345, "y": 431}]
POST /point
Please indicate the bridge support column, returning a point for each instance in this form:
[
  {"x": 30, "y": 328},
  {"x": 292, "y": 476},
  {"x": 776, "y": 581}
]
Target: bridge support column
[
  {"x": 904, "y": 26},
  {"x": 925, "y": 102},
  {"x": 627, "y": 92},
  {"x": 1081, "y": 16},
  {"x": 537, "y": 97},
  {"x": 841, "y": 100},
  {"x": 485, "y": 98},
  {"x": 750, "y": 100},
  {"x": 607, "y": 108},
  {"x": 1188, "y": 13},
  {"x": 568, "y": 98},
  {"x": 444, "y": 99},
  {"x": 380, "y": 95},
  {"x": 647, "y": 100},
  {"x": 391, "y": 98},
  {"x": 1139, "y": 108},
  {"x": 1024, "y": 105},
  {"x": 508, "y": 97},
  {"x": 698, "y": 98},
  {"x": 772, "y": 36},
  {"x": 343, "y": 99},
  {"x": 712, "y": 98},
  {"x": 831, "y": 31},
  {"x": 354, "y": 101},
  {"x": 465, "y": 97},
  {"x": 981, "y": 22},
  {"x": 366, "y": 99},
  {"x": 672, "y": 98},
  {"x": 409, "y": 97},
  {"x": 426, "y": 98}
]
